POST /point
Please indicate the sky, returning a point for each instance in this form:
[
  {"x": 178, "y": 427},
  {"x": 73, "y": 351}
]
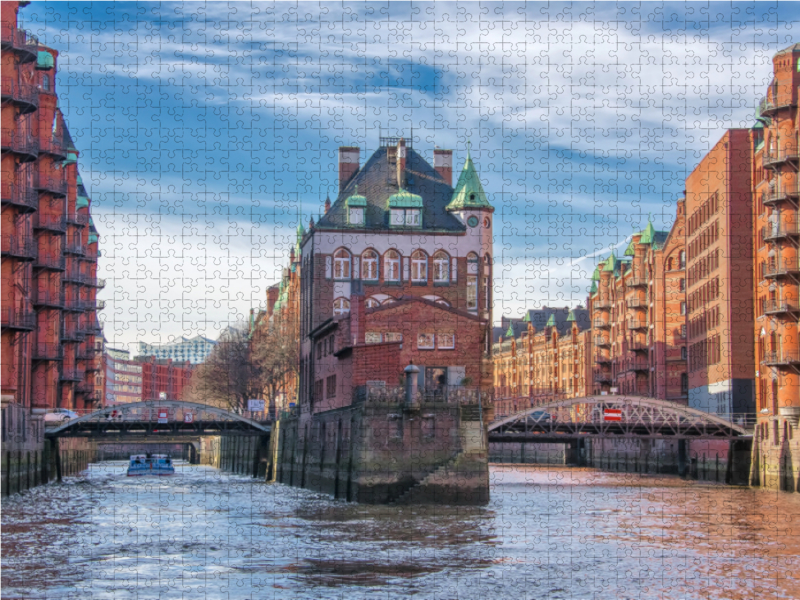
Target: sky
[{"x": 207, "y": 130}]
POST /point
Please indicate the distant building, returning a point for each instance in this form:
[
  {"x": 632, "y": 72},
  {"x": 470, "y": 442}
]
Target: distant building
[
  {"x": 166, "y": 377},
  {"x": 123, "y": 377},
  {"x": 193, "y": 350}
]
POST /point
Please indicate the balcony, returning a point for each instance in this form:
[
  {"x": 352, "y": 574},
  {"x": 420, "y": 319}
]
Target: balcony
[
  {"x": 86, "y": 353},
  {"x": 48, "y": 351},
  {"x": 781, "y": 268},
  {"x": 73, "y": 374},
  {"x": 779, "y": 307},
  {"x": 25, "y": 45},
  {"x": 774, "y": 197},
  {"x": 89, "y": 256},
  {"x": 636, "y": 282},
  {"x": 767, "y": 105},
  {"x": 638, "y": 347},
  {"x": 84, "y": 387},
  {"x": 52, "y": 183},
  {"x": 18, "y": 320},
  {"x": 49, "y": 222},
  {"x": 602, "y": 305},
  {"x": 52, "y": 261},
  {"x": 93, "y": 330},
  {"x": 636, "y": 303},
  {"x": 601, "y": 324},
  {"x": 77, "y": 219},
  {"x": 602, "y": 342},
  {"x": 780, "y": 231},
  {"x": 47, "y": 298},
  {"x": 23, "y": 197},
  {"x": 603, "y": 377},
  {"x": 602, "y": 360},
  {"x": 20, "y": 246},
  {"x": 780, "y": 157},
  {"x": 21, "y": 143},
  {"x": 635, "y": 324},
  {"x": 24, "y": 95},
  {"x": 76, "y": 304},
  {"x": 785, "y": 358},
  {"x": 99, "y": 283},
  {"x": 71, "y": 333},
  {"x": 53, "y": 145},
  {"x": 75, "y": 246},
  {"x": 637, "y": 364}
]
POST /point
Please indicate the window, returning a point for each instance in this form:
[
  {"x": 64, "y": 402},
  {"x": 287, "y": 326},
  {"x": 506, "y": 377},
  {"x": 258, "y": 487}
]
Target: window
[
  {"x": 419, "y": 266},
  {"x": 341, "y": 264},
  {"x": 356, "y": 216},
  {"x": 330, "y": 384},
  {"x": 319, "y": 350},
  {"x": 683, "y": 307},
  {"x": 682, "y": 285},
  {"x": 472, "y": 264},
  {"x": 391, "y": 266},
  {"x": 441, "y": 267},
  {"x": 394, "y": 337},
  {"x": 409, "y": 217},
  {"x": 683, "y": 331},
  {"x": 372, "y": 337},
  {"x": 682, "y": 260},
  {"x": 46, "y": 82},
  {"x": 472, "y": 292},
  {"x": 413, "y": 217},
  {"x": 425, "y": 341},
  {"x": 372, "y": 303},
  {"x": 318, "y": 389},
  {"x": 341, "y": 306},
  {"x": 447, "y": 341},
  {"x": 369, "y": 265}
]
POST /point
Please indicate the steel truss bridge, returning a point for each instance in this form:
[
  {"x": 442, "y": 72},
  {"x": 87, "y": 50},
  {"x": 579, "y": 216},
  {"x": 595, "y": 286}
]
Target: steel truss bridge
[
  {"x": 616, "y": 417},
  {"x": 157, "y": 419}
]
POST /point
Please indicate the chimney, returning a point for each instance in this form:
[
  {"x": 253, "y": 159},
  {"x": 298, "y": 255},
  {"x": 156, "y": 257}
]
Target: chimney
[
  {"x": 401, "y": 163},
  {"x": 349, "y": 157},
  {"x": 443, "y": 164}
]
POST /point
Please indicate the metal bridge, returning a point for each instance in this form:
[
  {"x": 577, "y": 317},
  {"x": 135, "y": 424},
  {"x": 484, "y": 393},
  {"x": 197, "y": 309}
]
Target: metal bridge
[
  {"x": 615, "y": 417},
  {"x": 156, "y": 419}
]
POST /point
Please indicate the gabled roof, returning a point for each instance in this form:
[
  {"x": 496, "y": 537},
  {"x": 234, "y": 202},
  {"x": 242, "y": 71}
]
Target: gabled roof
[
  {"x": 469, "y": 191},
  {"x": 377, "y": 182}
]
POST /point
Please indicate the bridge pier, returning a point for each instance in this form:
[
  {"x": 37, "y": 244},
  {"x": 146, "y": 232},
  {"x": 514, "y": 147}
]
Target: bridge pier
[
  {"x": 683, "y": 457},
  {"x": 54, "y": 446}
]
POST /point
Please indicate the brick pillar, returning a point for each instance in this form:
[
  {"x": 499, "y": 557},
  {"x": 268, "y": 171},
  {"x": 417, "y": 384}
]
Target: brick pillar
[
  {"x": 443, "y": 164},
  {"x": 349, "y": 159}
]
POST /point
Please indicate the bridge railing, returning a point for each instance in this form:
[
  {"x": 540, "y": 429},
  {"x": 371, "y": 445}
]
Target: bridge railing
[{"x": 155, "y": 414}]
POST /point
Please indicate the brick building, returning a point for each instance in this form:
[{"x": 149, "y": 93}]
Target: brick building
[
  {"x": 49, "y": 243},
  {"x": 163, "y": 376},
  {"x": 776, "y": 193},
  {"x": 719, "y": 278},
  {"x": 399, "y": 266},
  {"x": 123, "y": 377}
]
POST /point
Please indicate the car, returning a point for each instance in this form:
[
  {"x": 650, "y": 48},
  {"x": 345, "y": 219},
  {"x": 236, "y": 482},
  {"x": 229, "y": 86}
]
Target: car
[
  {"x": 539, "y": 416},
  {"x": 59, "y": 415}
]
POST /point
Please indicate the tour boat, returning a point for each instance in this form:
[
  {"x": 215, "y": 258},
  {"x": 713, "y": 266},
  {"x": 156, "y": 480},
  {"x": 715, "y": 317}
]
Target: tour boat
[{"x": 150, "y": 464}]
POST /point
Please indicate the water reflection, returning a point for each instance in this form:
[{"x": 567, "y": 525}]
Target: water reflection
[{"x": 548, "y": 532}]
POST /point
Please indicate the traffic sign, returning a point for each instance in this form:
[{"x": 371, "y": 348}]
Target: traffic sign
[
  {"x": 188, "y": 417},
  {"x": 163, "y": 415},
  {"x": 612, "y": 414}
]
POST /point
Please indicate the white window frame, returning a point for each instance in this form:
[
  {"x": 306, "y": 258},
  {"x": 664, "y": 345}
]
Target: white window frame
[
  {"x": 413, "y": 217},
  {"x": 356, "y": 215},
  {"x": 441, "y": 267},
  {"x": 419, "y": 267},
  {"x": 391, "y": 266},
  {"x": 341, "y": 264},
  {"x": 393, "y": 336},
  {"x": 425, "y": 336},
  {"x": 369, "y": 265},
  {"x": 398, "y": 217},
  {"x": 341, "y": 307},
  {"x": 472, "y": 293},
  {"x": 371, "y": 303},
  {"x": 446, "y": 341},
  {"x": 372, "y": 337}
]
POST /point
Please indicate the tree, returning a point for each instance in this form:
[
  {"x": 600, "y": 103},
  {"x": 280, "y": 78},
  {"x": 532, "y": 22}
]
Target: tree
[{"x": 278, "y": 358}]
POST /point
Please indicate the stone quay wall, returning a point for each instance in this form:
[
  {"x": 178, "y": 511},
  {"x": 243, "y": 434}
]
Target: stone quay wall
[
  {"x": 240, "y": 454},
  {"x": 380, "y": 451},
  {"x": 776, "y": 466}
]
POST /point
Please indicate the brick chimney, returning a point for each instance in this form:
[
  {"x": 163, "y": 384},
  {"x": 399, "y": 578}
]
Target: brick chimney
[
  {"x": 349, "y": 160},
  {"x": 401, "y": 163},
  {"x": 443, "y": 164}
]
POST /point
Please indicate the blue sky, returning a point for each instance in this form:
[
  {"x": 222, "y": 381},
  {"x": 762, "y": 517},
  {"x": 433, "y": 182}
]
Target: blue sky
[{"x": 206, "y": 129}]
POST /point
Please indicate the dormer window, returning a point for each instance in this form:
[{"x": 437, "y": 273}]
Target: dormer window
[
  {"x": 356, "y": 205},
  {"x": 405, "y": 209},
  {"x": 356, "y": 216}
]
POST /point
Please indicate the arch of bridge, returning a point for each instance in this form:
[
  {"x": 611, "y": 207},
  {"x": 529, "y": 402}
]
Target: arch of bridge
[
  {"x": 620, "y": 402},
  {"x": 154, "y": 405}
]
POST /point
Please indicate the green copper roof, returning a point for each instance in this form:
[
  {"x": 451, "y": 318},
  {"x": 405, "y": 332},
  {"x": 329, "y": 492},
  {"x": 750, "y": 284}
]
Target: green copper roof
[
  {"x": 571, "y": 317},
  {"x": 83, "y": 202},
  {"x": 301, "y": 231},
  {"x": 610, "y": 263},
  {"x": 92, "y": 238},
  {"x": 44, "y": 60},
  {"x": 402, "y": 199},
  {"x": 469, "y": 191},
  {"x": 72, "y": 158},
  {"x": 648, "y": 235},
  {"x": 510, "y": 332},
  {"x": 593, "y": 289},
  {"x": 358, "y": 200},
  {"x": 596, "y": 274},
  {"x": 80, "y": 180},
  {"x": 527, "y": 317},
  {"x": 551, "y": 322}
]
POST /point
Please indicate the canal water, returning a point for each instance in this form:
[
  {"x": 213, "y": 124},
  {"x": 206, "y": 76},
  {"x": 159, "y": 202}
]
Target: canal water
[{"x": 549, "y": 532}]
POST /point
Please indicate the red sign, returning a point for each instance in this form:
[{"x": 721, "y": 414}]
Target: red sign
[
  {"x": 612, "y": 414},
  {"x": 163, "y": 415},
  {"x": 188, "y": 417}
]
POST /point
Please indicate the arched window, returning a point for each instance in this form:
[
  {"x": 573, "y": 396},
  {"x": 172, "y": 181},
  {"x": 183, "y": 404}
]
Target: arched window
[
  {"x": 419, "y": 266},
  {"x": 682, "y": 260},
  {"x": 341, "y": 306},
  {"x": 372, "y": 303},
  {"x": 472, "y": 264},
  {"x": 369, "y": 265},
  {"x": 341, "y": 264},
  {"x": 391, "y": 266},
  {"x": 441, "y": 267}
]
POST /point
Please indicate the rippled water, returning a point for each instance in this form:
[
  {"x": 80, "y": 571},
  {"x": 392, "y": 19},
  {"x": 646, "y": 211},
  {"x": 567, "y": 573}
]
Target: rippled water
[{"x": 548, "y": 532}]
